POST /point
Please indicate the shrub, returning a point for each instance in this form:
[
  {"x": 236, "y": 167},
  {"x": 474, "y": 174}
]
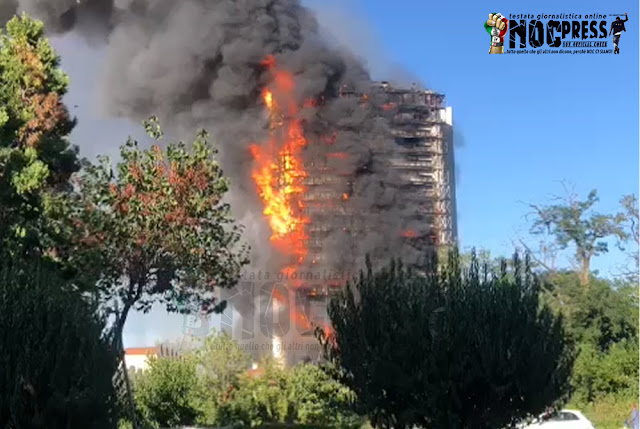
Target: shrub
[
  {"x": 56, "y": 365},
  {"x": 166, "y": 393},
  {"x": 451, "y": 348}
]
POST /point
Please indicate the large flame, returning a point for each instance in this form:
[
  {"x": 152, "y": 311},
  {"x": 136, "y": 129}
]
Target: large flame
[
  {"x": 279, "y": 174},
  {"x": 279, "y": 170}
]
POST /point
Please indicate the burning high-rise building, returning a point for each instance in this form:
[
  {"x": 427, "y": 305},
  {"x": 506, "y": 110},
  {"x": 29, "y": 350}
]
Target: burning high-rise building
[
  {"x": 422, "y": 128},
  {"x": 308, "y": 196}
]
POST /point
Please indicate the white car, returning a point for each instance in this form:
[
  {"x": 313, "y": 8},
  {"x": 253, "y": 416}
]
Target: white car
[{"x": 564, "y": 419}]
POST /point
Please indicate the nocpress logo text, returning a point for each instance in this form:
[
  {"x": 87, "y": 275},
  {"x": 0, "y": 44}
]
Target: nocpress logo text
[{"x": 559, "y": 34}]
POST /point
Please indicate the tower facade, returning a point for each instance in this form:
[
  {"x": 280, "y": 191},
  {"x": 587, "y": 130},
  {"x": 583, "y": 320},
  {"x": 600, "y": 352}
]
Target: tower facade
[
  {"x": 421, "y": 126},
  {"x": 313, "y": 200},
  {"x": 423, "y": 163}
]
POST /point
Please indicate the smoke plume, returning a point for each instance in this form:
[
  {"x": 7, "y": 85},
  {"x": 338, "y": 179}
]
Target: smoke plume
[{"x": 198, "y": 64}]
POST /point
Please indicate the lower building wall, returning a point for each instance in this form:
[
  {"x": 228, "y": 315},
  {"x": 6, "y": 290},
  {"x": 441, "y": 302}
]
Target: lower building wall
[{"x": 138, "y": 362}]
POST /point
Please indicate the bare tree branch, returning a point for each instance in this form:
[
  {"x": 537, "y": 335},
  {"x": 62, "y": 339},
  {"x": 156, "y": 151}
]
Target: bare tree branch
[{"x": 535, "y": 258}]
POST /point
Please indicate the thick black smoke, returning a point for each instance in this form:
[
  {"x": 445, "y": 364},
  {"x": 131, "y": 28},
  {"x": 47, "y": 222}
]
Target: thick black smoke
[{"x": 197, "y": 64}]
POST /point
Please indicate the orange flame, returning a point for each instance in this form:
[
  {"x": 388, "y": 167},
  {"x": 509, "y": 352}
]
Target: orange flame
[
  {"x": 328, "y": 330},
  {"x": 409, "y": 233},
  {"x": 299, "y": 319},
  {"x": 279, "y": 169},
  {"x": 268, "y": 99},
  {"x": 269, "y": 61}
]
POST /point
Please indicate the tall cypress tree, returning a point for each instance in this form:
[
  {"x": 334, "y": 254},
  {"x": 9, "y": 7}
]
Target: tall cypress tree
[
  {"x": 56, "y": 365},
  {"x": 455, "y": 348}
]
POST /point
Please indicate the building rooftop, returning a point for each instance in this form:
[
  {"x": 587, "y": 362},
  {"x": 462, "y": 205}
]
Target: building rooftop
[{"x": 141, "y": 351}]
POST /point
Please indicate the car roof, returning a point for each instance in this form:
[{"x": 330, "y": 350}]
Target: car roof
[
  {"x": 577, "y": 413},
  {"x": 571, "y": 411}
]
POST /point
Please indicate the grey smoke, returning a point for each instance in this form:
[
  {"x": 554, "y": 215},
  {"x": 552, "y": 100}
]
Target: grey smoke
[
  {"x": 398, "y": 75},
  {"x": 197, "y": 64}
]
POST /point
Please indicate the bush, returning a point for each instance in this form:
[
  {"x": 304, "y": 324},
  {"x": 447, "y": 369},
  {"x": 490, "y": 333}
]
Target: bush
[
  {"x": 319, "y": 399},
  {"x": 56, "y": 366},
  {"x": 211, "y": 388},
  {"x": 303, "y": 395},
  {"x": 261, "y": 399},
  {"x": 221, "y": 363},
  {"x": 613, "y": 372},
  {"x": 167, "y": 393},
  {"x": 603, "y": 319},
  {"x": 450, "y": 349},
  {"x": 607, "y": 412}
]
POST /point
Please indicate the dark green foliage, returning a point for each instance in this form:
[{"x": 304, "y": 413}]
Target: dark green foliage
[
  {"x": 36, "y": 159},
  {"x": 211, "y": 387},
  {"x": 302, "y": 395},
  {"x": 602, "y": 314},
  {"x": 319, "y": 399},
  {"x": 56, "y": 367},
  {"x": 603, "y": 319},
  {"x": 613, "y": 372},
  {"x": 455, "y": 349},
  {"x": 166, "y": 394}
]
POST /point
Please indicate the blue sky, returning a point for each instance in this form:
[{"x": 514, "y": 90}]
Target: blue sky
[{"x": 522, "y": 122}]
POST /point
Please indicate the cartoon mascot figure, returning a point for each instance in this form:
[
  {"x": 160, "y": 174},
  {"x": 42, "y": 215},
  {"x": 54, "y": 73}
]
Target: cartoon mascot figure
[{"x": 496, "y": 26}]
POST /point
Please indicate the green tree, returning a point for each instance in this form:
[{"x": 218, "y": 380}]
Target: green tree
[
  {"x": 221, "y": 364},
  {"x": 603, "y": 319},
  {"x": 261, "y": 399},
  {"x": 57, "y": 365},
  {"x": 483, "y": 257},
  {"x": 36, "y": 159},
  {"x": 222, "y": 361},
  {"x": 456, "y": 349},
  {"x": 573, "y": 222},
  {"x": 318, "y": 399},
  {"x": 167, "y": 392},
  {"x": 156, "y": 228},
  {"x": 302, "y": 395},
  {"x": 600, "y": 373},
  {"x": 211, "y": 386},
  {"x": 603, "y": 314}
]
